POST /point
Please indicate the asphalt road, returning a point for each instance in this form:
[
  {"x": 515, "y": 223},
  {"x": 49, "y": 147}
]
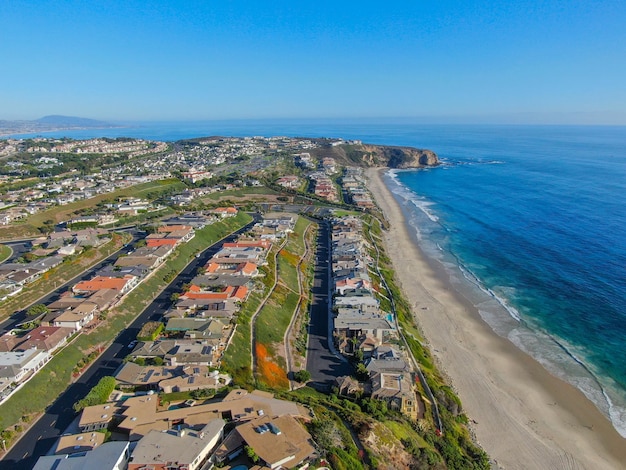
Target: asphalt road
[
  {"x": 322, "y": 363},
  {"x": 43, "y": 435},
  {"x": 21, "y": 316},
  {"x": 20, "y": 248}
]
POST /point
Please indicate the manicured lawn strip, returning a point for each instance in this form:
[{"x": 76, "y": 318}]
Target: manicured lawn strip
[
  {"x": 271, "y": 325},
  {"x": 296, "y": 239},
  {"x": 61, "y": 274},
  {"x": 238, "y": 356},
  {"x": 5, "y": 252},
  {"x": 59, "y": 213},
  {"x": 290, "y": 255},
  {"x": 174, "y": 396},
  {"x": 287, "y": 271},
  {"x": 239, "y": 193},
  {"x": 273, "y": 320},
  {"x": 52, "y": 380},
  {"x": 343, "y": 212}
]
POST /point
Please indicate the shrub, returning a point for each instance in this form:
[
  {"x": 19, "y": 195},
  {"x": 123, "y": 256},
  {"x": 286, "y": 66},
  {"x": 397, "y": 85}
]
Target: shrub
[
  {"x": 97, "y": 395},
  {"x": 302, "y": 376}
]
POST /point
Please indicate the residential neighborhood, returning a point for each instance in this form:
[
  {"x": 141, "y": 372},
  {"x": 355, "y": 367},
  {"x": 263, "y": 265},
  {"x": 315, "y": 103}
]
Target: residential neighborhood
[{"x": 188, "y": 327}]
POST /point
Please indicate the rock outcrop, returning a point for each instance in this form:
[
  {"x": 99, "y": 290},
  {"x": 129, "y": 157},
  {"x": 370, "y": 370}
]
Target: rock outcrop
[
  {"x": 378, "y": 155},
  {"x": 402, "y": 157}
]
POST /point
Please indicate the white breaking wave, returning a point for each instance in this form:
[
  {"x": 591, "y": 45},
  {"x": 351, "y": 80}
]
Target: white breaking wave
[{"x": 424, "y": 206}]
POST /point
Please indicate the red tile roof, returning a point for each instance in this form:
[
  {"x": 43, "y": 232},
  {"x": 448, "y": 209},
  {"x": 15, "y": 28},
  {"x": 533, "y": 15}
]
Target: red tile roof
[{"x": 102, "y": 282}]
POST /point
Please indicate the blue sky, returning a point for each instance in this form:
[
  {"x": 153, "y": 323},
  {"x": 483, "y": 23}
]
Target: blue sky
[{"x": 474, "y": 61}]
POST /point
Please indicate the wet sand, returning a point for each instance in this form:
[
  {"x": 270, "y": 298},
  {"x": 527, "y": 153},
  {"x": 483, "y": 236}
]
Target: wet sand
[{"x": 523, "y": 417}]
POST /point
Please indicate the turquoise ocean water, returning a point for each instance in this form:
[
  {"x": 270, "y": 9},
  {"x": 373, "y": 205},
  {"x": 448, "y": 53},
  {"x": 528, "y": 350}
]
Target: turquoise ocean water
[{"x": 529, "y": 222}]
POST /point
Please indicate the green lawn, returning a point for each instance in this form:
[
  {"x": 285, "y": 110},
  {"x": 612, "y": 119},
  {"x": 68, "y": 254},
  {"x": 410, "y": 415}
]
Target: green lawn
[
  {"x": 274, "y": 317},
  {"x": 241, "y": 193},
  {"x": 238, "y": 356},
  {"x": 288, "y": 271},
  {"x": 5, "y": 252}
]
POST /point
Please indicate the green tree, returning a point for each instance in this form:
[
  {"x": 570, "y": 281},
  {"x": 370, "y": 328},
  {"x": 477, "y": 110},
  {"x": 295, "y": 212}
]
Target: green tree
[
  {"x": 97, "y": 395},
  {"x": 251, "y": 454},
  {"x": 37, "y": 309},
  {"x": 361, "y": 372},
  {"x": 302, "y": 376}
]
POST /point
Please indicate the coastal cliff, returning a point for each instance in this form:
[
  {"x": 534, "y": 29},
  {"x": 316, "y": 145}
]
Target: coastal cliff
[{"x": 378, "y": 155}]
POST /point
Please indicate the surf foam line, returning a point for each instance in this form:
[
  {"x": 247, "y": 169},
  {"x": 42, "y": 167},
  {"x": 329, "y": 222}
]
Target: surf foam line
[{"x": 616, "y": 414}]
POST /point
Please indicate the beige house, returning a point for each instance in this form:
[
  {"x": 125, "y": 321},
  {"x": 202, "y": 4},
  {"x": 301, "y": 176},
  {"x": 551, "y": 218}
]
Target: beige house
[{"x": 280, "y": 442}]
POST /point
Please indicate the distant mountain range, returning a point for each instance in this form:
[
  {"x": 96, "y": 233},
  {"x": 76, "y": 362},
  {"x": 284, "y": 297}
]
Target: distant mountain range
[{"x": 50, "y": 123}]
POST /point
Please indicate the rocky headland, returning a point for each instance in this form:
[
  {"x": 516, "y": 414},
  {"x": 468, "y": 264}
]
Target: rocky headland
[{"x": 370, "y": 155}]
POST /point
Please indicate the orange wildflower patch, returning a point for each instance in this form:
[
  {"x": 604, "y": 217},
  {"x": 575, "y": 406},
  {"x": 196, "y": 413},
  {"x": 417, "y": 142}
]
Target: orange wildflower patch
[
  {"x": 291, "y": 258},
  {"x": 270, "y": 372}
]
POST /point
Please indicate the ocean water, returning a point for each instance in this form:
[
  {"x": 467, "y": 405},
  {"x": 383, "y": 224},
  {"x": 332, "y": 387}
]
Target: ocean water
[{"x": 529, "y": 222}]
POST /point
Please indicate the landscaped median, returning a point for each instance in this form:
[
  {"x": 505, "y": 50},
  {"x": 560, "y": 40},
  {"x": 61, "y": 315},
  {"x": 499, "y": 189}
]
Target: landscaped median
[
  {"x": 51, "y": 381},
  {"x": 272, "y": 320}
]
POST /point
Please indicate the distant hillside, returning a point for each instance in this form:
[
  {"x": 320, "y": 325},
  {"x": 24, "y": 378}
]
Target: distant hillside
[
  {"x": 70, "y": 121},
  {"x": 378, "y": 155},
  {"x": 50, "y": 123}
]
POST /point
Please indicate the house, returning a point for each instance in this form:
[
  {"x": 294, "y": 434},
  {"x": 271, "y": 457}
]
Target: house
[
  {"x": 194, "y": 378},
  {"x": 212, "y": 327},
  {"x": 18, "y": 366},
  {"x": 8, "y": 341},
  {"x": 280, "y": 442},
  {"x": 103, "y": 298},
  {"x": 139, "y": 271},
  {"x": 146, "y": 377},
  {"x": 146, "y": 256},
  {"x": 237, "y": 293},
  {"x": 177, "y": 449},
  {"x": 121, "y": 285},
  {"x": 141, "y": 414},
  {"x": 396, "y": 389},
  {"x": 158, "y": 239},
  {"x": 45, "y": 338},
  {"x": 195, "y": 176},
  {"x": 289, "y": 181},
  {"x": 217, "y": 308},
  {"x": 82, "y": 442},
  {"x": 354, "y": 326},
  {"x": 77, "y": 317},
  {"x": 238, "y": 269},
  {"x": 108, "y": 456},
  {"x": 225, "y": 211},
  {"x": 178, "y": 352},
  {"x": 196, "y": 221},
  {"x": 347, "y": 386}
]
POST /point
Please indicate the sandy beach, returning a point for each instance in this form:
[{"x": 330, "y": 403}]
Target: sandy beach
[{"x": 524, "y": 417}]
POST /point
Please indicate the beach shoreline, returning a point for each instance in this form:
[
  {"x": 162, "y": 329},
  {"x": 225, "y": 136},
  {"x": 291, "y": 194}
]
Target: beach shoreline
[{"x": 522, "y": 416}]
